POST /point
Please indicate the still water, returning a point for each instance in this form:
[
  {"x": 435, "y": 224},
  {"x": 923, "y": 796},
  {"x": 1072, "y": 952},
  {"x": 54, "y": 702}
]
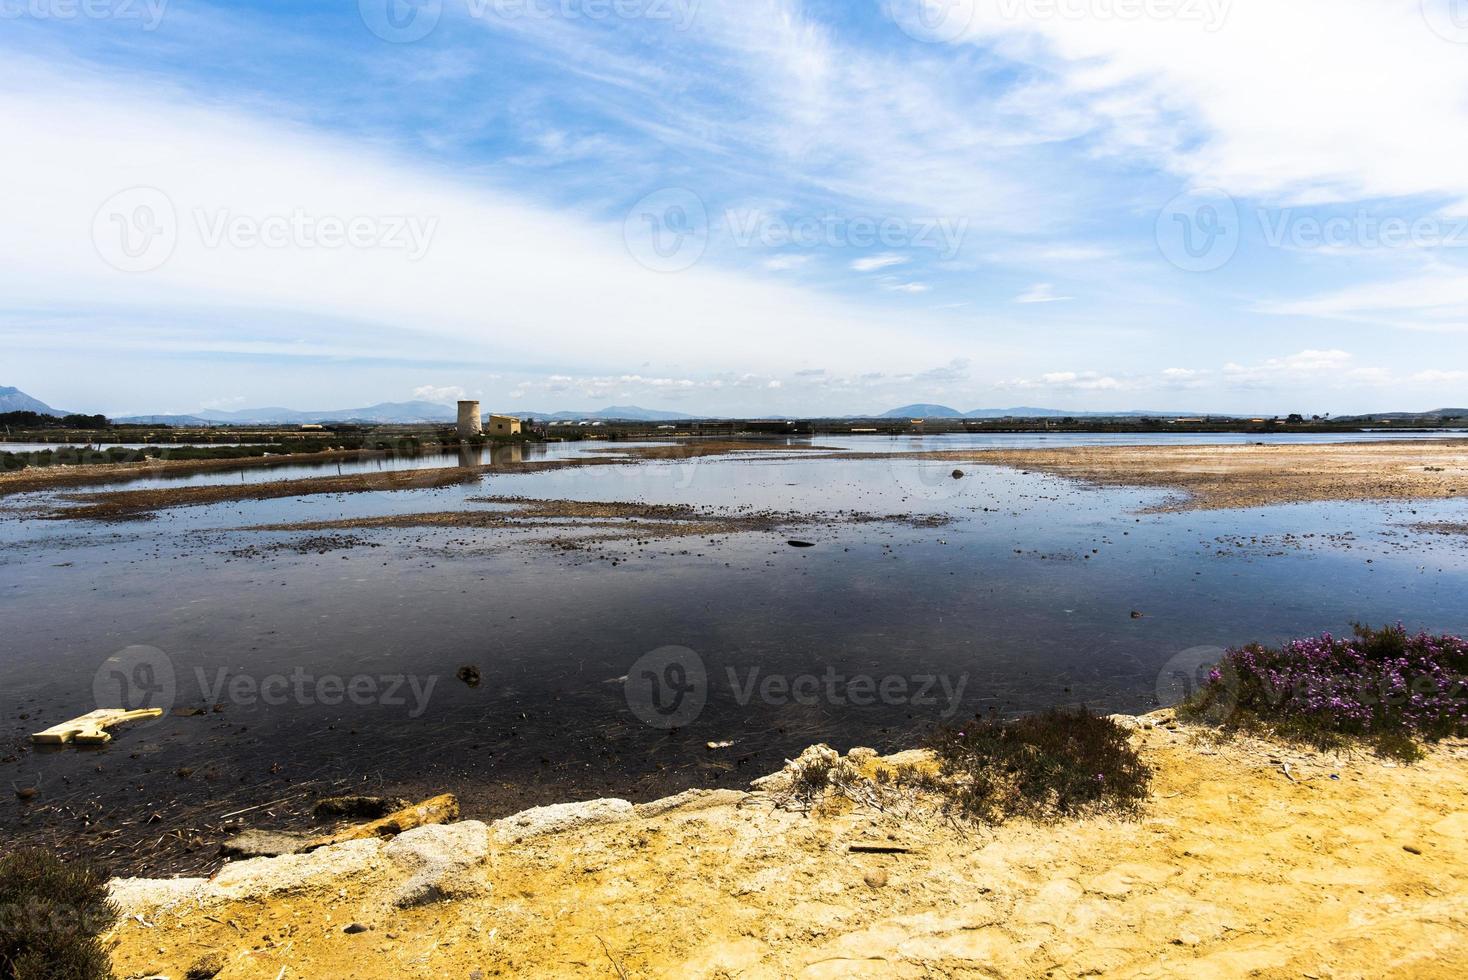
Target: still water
[{"x": 338, "y": 670}]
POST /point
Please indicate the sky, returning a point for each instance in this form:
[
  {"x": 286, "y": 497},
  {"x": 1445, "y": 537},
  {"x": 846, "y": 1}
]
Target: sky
[{"x": 736, "y": 207}]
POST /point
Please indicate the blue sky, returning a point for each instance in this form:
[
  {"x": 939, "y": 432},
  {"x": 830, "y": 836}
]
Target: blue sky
[{"x": 736, "y": 206}]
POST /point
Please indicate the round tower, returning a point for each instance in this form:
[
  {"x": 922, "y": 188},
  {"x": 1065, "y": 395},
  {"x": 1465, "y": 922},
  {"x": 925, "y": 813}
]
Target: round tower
[{"x": 470, "y": 421}]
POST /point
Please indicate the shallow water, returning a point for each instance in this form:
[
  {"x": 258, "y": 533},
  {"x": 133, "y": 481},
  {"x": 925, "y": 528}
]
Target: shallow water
[{"x": 1023, "y": 601}]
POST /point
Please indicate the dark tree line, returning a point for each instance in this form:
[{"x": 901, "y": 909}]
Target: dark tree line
[{"x": 36, "y": 420}]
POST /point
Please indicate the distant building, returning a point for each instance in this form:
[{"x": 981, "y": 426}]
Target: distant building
[
  {"x": 470, "y": 422},
  {"x": 503, "y": 425}
]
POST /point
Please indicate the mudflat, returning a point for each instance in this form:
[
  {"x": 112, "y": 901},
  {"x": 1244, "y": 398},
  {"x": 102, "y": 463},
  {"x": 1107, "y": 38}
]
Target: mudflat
[
  {"x": 124, "y": 504},
  {"x": 1222, "y": 477}
]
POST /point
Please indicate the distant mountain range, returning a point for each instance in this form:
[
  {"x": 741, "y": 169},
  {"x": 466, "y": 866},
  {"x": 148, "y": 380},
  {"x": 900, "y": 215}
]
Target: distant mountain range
[
  {"x": 384, "y": 413},
  {"x": 923, "y": 411},
  {"x": 15, "y": 400},
  {"x": 387, "y": 413}
]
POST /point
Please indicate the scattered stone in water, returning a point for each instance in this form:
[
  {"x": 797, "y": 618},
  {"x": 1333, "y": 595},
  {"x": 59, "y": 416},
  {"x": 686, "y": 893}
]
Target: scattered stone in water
[
  {"x": 469, "y": 674},
  {"x": 1136, "y": 614},
  {"x": 800, "y": 544},
  {"x": 719, "y": 745},
  {"x": 958, "y": 474},
  {"x": 187, "y": 712}
]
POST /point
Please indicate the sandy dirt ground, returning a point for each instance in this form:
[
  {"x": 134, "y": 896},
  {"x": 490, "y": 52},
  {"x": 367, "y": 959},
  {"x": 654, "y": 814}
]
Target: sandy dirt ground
[
  {"x": 1249, "y": 859},
  {"x": 1220, "y": 477}
]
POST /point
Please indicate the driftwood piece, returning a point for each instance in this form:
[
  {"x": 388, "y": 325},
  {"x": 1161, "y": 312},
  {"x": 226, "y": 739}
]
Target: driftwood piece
[
  {"x": 91, "y": 728},
  {"x": 438, "y": 809}
]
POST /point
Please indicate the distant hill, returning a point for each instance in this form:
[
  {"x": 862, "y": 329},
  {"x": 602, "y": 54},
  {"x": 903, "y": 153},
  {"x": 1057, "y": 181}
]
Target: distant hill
[
  {"x": 15, "y": 400},
  {"x": 1436, "y": 413},
  {"x": 924, "y": 411},
  {"x": 921, "y": 411},
  {"x": 1040, "y": 413},
  {"x": 612, "y": 413},
  {"x": 186, "y": 421},
  {"x": 386, "y": 413}
]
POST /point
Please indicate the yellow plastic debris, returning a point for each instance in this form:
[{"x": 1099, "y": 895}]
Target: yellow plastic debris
[{"x": 91, "y": 728}]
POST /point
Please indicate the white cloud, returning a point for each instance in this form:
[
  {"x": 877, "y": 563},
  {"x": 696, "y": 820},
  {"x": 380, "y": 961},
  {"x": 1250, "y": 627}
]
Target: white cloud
[
  {"x": 1439, "y": 377},
  {"x": 872, "y": 263},
  {"x": 1040, "y": 292},
  {"x": 1310, "y": 100},
  {"x": 784, "y": 263},
  {"x": 493, "y": 281},
  {"x": 1435, "y": 301},
  {"x": 1066, "y": 381},
  {"x": 441, "y": 395},
  {"x": 1294, "y": 367},
  {"x": 1328, "y": 368},
  {"x": 1182, "y": 378},
  {"x": 908, "y": 287}
]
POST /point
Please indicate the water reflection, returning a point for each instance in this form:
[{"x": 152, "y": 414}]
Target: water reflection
[{"x": 1026, "y": 597}]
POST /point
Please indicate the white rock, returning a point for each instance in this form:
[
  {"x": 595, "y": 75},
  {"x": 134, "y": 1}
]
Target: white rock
[
  {"x": 144, "y": 896},
  {"x": 693, "y": 799},
  {"x": 463, "y": 843},
  {"x": 255, "y": 878},
  {"x": 261, "y": 877},
  {"x": 441, "y": 859},
  {"x": 558, "y": 818}
]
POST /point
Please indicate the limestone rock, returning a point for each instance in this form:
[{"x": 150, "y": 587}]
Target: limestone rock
[
  {"x": 254, "y": 842},
  {"x": 441, "y": 860},
  {"x": 559, "y": 817},
  {"x": 693, "y": 799}
]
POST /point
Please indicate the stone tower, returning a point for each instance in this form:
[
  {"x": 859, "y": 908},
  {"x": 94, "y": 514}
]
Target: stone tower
[{"x": 470, "y": 422}]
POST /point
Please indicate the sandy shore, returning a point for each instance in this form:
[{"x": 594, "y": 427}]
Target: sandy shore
[
  {"x": 1219, "y": 477},
  {"x": 1248, "y": 860}
]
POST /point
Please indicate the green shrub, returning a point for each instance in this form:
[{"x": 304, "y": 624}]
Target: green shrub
[
  {"x": 1043, "y": 767},
  {"x": 51, "y": 914}
]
